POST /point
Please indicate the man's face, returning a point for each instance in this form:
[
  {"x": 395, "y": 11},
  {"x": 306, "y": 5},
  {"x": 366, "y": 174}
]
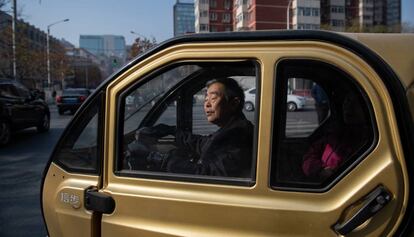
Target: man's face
[{"x": 216, "y": 107}]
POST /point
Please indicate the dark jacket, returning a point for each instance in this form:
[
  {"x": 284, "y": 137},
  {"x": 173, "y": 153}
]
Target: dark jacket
[{"x": 227, "y": 152}]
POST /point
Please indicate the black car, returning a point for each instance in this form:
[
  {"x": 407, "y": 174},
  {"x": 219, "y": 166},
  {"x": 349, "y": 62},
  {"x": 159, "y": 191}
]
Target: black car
[
  {"x": 20, "y": 109},
  {"x": 71, "y": 99}
]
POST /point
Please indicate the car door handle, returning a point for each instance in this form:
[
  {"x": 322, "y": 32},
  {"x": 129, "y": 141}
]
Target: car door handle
[
  {"x": 372, "y": 204},
  {"x": 98, "y": 202}
]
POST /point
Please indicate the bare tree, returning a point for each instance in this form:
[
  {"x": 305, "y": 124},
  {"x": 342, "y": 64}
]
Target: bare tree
[{"x": 141, "y": 45}]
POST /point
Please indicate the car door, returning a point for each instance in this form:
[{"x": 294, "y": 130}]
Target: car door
[
  {"x": 14, "y": 104},
  {"x": 75, "y": 167},
  {"x": 364, "y": 194},
  {"x": 31, "y": 113}
]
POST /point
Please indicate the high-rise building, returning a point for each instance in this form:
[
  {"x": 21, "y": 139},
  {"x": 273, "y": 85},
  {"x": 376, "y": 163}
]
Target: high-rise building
[
  {"x": 369, "y": 13},
  {"x": 183, "y": 18},
  {"x": 259, "y": 14},
  {"x": 393, "y": 13},
  {"x": 306, "y": 14},
  {"x": 104, "y": 45},
  {"x": 270, "y": 14},
  {"x": 333, "y": 14},
  {"x": 213, "y": 15}
]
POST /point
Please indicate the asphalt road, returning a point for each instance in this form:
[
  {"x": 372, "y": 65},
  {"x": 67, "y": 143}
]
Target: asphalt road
[{"x": 21, "y": 168}]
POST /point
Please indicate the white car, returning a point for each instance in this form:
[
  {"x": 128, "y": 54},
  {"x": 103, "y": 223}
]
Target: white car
[{"x": 294, "y": 102}]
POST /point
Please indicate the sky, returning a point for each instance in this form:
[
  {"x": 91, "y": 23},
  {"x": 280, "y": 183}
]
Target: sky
[{"x": 149, "y": 18}]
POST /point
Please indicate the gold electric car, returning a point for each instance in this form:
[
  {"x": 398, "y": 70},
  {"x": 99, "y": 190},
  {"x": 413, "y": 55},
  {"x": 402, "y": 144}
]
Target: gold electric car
[{"x": 341, "y": 165}]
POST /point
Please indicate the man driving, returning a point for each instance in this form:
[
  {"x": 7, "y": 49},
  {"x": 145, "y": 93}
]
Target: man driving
[{"x": 226, "y": 152}]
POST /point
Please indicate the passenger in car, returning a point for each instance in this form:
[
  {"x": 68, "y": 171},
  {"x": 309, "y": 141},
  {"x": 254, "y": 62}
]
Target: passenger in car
[
  {"x": 328, "y": 153},
  {"x": 226, "y": 152},
  {"x": 321, "y": 102}
]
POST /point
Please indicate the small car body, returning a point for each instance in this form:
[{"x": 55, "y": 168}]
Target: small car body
[
  {"x": 71, "y": 99},
  {"x": 294, "y": 102},
  {"x": 19, "y": 109},
  {"x": 100, "y": 181}
]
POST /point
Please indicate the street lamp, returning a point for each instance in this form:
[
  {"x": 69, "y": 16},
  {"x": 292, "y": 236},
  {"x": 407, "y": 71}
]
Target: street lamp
[
  {"x": 135, "y": 33},
  {"x": 48, "y": 50},
  {"x": 288, "y": 14}
]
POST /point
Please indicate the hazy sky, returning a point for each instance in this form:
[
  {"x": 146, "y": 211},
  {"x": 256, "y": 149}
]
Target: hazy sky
[{"x": 117, "y": 17}]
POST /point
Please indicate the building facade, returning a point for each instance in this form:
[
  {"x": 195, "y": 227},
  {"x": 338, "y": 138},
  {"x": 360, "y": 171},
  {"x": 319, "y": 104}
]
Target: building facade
[
  {"x": 259, "y": 14},
  {"x": 104, "y": 45},
  {"x": 213, "y": 15},
  {"x": 306, "y": 14},
  {"x": 333, "y": 15},
  {"x": 183, "y": 18},
  {"x": 366, "y": 14},
  {"x": 30, "y": 57}
]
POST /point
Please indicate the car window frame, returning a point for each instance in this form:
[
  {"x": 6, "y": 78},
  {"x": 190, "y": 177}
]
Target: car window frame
[
  {"x": 100, "y": 99},
  {"x": 279, "y": 117},
  {"x": 233, "y": 181}
]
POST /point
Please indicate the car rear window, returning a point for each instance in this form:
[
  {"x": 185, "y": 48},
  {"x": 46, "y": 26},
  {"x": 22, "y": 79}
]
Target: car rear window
[{"x": 76, "y": 92}]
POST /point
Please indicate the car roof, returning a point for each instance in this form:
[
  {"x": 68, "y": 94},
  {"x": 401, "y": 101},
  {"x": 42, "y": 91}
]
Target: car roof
[{"x": 396, "y": 49}]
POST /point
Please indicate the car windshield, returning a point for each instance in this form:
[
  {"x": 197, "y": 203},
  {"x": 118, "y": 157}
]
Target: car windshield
[{"x": 76, "y": 92}]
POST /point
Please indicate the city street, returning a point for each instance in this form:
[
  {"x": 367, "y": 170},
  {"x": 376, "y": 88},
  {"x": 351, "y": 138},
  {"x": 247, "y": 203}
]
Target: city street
[{"x": 21, "y": 168}]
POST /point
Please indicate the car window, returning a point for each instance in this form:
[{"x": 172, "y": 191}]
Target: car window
[
  {"x": 8, "y": 90},
  {"x": 166, "y": 130},
  {"x": 302, "y": 108},
  {"x": 329, "y": 130},
  {"x": 75, "y": 92},
  {"x": 78, "y": 151},
  {"x": 22, "y": 90}
]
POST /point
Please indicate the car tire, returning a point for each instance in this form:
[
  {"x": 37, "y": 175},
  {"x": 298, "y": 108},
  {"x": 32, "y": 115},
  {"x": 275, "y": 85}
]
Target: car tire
[
  {"x": 291, "y": 106},
  {"x": 5, "y": 133},
  {"x": 44, "y": 124},
  {"x": 248, "y": 106}
]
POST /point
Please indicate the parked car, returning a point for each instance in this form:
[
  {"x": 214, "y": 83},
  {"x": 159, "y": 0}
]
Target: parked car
[
  {"x": 71, "y": 99},
  {"x": 294, "y": 102},
  {"x": 95, "y": 183},
  {"x": 20, "y": 109}
]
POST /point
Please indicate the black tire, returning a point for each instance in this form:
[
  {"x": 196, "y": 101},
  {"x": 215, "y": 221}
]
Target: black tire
[
  {"x": 248, "y": 106},
  {"x": 44, "y": 124},
  {"x": 291, "y": 106},
  {"x": 5, "y": 133}
]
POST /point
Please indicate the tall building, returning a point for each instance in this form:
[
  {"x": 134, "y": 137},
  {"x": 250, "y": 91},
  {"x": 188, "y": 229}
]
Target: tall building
[
  {"x": 369, "y": 13},
  {"x": 270, "y": 14},
  {"x": 213, "y": 15},
  {"x": 259, "y": 14},
  {"x": 306, "y": 14},
  {"x": 393, "y": 13},
  {"x": 183, "y": 18},
  {"x": 333, "y": 14},
  {"x": 104, "y": 45}
]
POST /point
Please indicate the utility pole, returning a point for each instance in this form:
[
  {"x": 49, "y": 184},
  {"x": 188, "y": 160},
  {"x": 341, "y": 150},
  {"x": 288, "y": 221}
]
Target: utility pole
[
  {"x": 288, "y": 15},
  {"x": 14, "y": 19}
]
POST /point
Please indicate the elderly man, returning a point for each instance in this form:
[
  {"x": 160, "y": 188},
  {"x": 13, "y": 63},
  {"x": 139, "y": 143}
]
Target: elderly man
[{"x": 226, "y": 152}]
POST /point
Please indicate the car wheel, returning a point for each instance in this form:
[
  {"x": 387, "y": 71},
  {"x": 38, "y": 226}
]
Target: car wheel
[
  {"x": 5, "y": 133},
  {"x": 291, "y": 106},
  {"x": 44, "y": 124},
  {"x": 248, "y": 106}
]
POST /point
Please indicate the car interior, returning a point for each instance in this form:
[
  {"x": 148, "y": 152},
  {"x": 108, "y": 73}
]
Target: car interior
[
  {"x": 180, "y": 100},
  {"x": 288, "y": 158}
]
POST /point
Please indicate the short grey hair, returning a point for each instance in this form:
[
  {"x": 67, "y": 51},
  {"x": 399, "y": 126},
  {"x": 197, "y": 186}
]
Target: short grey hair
[{"x": 232, "y": 89}]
